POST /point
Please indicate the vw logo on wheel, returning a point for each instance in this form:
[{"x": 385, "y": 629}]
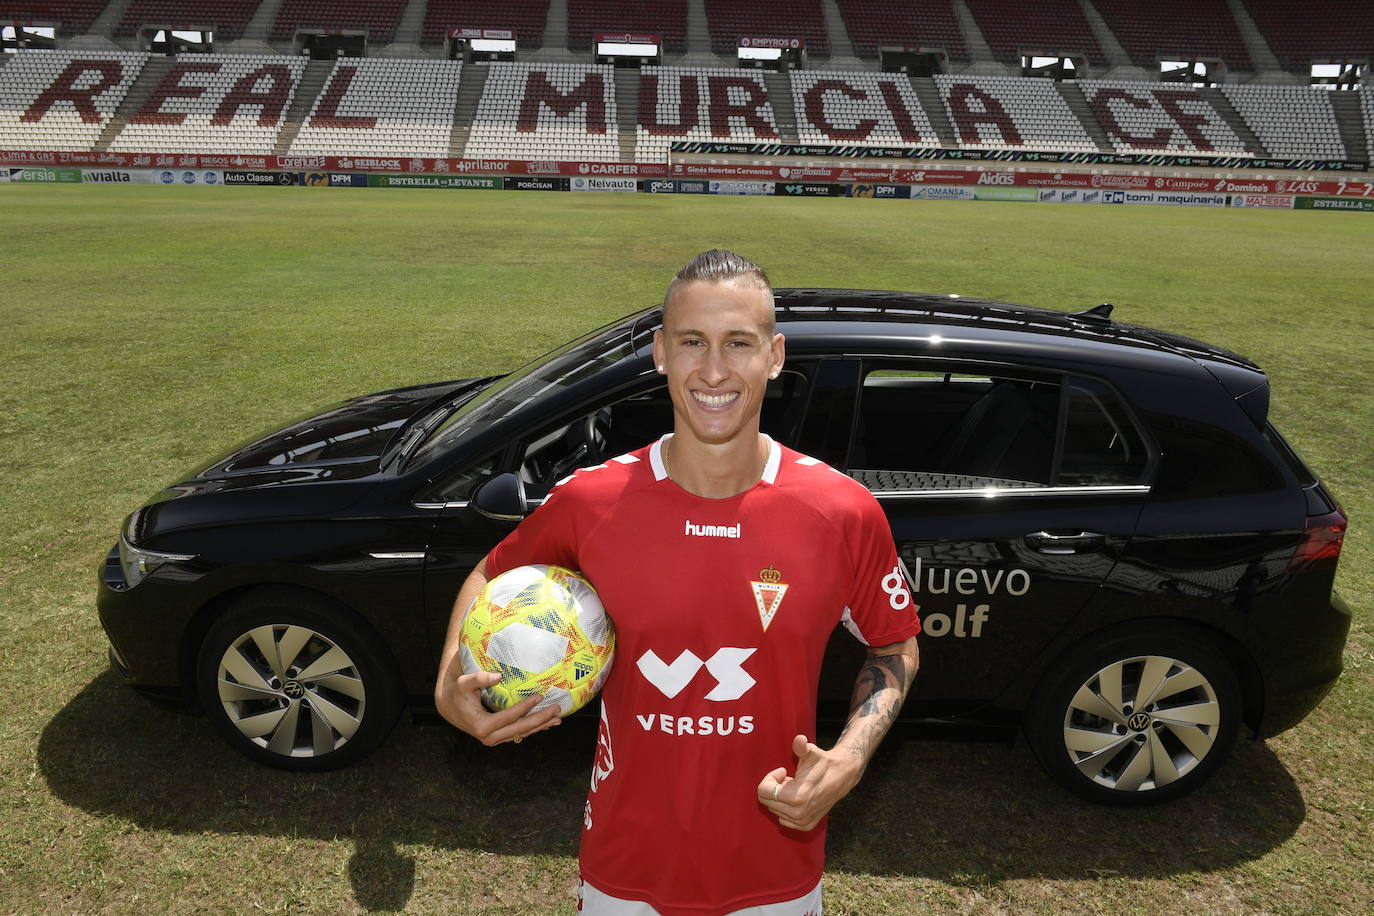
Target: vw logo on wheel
[
  {"x": 295, "y": 691},
  {"x": 1138, "y": 722}
]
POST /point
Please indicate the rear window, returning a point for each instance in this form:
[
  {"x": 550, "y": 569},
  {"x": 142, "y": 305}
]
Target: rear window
[
  {"x": 1290, "y": 456},
  {"x": 1102, "y": 446}
]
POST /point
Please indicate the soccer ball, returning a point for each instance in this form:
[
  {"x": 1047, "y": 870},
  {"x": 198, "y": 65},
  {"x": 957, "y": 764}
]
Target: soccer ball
[{"x": 543, "y": 629}]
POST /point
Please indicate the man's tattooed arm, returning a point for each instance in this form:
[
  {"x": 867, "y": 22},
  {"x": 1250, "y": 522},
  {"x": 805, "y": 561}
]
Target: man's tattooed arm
[{"x": 879, "y": 690}]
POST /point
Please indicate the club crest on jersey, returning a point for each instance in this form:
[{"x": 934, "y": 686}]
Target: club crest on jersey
[{"x": 768, "y": 593}]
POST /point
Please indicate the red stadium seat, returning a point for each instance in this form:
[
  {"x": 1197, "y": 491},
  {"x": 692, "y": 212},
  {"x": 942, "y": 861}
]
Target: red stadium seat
[
  {"x": 729, "y": 20},
  {"x": 659, "y": 17},
  {"x": 525, "y": 17},
  {"x": 1176, "y": 30},
  {"x": 74, "y": 16},
  {"x": 378, "y": 17},
  {"x": 227, "y": 17},
  {"x": 1315, "y": 30},
  {"x": 874, "y": 24},
  {"x": 1046, "y": 27}
]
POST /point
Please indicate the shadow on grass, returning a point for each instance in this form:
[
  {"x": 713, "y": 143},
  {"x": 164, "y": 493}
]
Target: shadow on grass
[{"x": 960, "y": 813}]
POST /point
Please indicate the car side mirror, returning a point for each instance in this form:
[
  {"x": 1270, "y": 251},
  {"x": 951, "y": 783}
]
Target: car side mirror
[{"x": 502, "y": 499}]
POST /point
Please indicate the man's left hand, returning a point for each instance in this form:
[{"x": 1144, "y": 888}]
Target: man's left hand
[{"x": 822, "y": 779}]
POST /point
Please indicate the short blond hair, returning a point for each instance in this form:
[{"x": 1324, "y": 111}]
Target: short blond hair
[{"x": 721, "y": 266}]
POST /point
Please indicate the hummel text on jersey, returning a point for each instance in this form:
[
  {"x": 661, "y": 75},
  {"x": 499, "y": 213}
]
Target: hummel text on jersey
[{"x": 713, "y": 531}]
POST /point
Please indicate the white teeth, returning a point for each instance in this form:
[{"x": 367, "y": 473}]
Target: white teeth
[{"x": 719, "y": 400}]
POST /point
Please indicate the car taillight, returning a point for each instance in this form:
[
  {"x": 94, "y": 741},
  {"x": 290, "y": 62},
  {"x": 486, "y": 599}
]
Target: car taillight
[{"x": 1320, "y": 546}]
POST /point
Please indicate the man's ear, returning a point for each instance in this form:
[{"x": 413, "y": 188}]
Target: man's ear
[
  {"x": 659, "y": 350},
  {"x": 779, "y": 352}
]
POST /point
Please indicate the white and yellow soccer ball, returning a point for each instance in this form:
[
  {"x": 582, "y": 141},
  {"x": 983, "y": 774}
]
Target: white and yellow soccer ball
[{"x": 544, "y": 630}]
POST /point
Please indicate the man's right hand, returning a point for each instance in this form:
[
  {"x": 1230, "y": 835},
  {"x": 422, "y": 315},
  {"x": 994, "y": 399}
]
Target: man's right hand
[{"x": 458, "y": 697}]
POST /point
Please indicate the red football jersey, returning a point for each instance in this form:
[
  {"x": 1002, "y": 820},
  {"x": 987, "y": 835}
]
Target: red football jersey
[{"x": 722, "y": 610}]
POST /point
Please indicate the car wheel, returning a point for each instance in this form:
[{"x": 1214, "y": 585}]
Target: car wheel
[
  {"x": 1136, "y": 719},
  {"x": 297, "y": 683}
]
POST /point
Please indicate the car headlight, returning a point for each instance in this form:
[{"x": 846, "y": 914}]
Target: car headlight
[{"x": 138, "y": 562}]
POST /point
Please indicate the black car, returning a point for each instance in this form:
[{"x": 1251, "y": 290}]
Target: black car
[{"x": 1110, "y": 544}]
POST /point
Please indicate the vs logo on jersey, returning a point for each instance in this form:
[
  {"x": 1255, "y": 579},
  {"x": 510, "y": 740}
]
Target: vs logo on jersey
[{"x": 768, "y": 594}]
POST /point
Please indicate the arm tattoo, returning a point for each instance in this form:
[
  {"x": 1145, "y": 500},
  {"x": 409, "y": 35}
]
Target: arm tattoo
[{"x": 878, "y": 694}]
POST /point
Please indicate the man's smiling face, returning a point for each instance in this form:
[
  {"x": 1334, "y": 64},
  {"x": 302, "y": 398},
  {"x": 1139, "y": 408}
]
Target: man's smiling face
[{"x": 719, "y": 349}]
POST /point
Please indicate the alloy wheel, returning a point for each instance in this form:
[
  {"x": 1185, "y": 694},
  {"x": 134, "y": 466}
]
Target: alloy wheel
[
  {"x": 291, "y": 690},
  {"x": 1141, "y": 723}
]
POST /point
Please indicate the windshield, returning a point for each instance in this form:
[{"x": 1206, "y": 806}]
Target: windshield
[{"x": 560, "y": 369}]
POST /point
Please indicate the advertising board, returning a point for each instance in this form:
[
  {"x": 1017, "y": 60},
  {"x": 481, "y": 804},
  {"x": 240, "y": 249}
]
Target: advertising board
[
  {"x": 467, "y": 182},
  {"x": 1272, "y": 201},
  {"x": 552, "y": 183},
  {"x": 188, "y": 176},
  {"x": 62, "y": 176},
  {"x": 797, "y": 189},
  {"x": 936, "y": 192},
  {"x": 116, "y": 176},
  {"x": 890, "y": 191},
  {"x": 672, "y": 186},
  {"x": 1164, "y": 198},
  {"x": 611, "y": 185},
  {"x": 251, "y": 179},
  {"x": 1333, "y": 203},
  {"x": 746, "y": 188},
  {"x": 994, "y": 193}
]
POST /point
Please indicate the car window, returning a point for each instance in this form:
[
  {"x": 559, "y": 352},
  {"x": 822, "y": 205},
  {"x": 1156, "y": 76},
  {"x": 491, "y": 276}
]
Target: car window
[
  {"x": 935, "y": 428},
  {"x": 593, "y": 436},
  {"x": 1102, "y": 445},
  {"x": 463, "y": 482},
  {"x": 562, "y": 368}
]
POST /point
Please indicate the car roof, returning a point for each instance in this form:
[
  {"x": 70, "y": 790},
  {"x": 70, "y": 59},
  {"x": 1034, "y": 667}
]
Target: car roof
[{"x": 1021, "y": 330}]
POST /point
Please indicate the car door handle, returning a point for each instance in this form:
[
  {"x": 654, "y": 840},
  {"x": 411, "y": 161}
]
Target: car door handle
[{"x": 1060, "y": 543}]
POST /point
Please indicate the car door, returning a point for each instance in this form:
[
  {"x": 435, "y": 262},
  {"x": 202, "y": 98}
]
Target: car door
[{"x": 1011, "y": 493}]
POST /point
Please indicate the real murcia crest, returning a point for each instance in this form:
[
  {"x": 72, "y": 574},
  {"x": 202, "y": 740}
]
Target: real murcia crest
[{"x": 768, "y": 594}]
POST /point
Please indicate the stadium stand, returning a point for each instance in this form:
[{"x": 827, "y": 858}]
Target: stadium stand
[
  {"x": 730, "y": 20},
  {"x": 74, "y": 16},
  {"x": 62, "y": 100},
  {"x": 228, "y": 17},
  {"x": 1046, "y": 27},
  {"x": 701, "y": 104},
  {"x": 1176, "y": 30},
  {"x": 382, "y": 107},
  {"x": 378, "y": 17},
  {"x": 1367, "y": 111},
  {"x": 546, "y": 111},
  {"x": 668, "y": 18},
  {"x": 525, "y": 17},
  {"x": 1315, "y": 30},
  {"x": 1009, "y": 112},
  {"x": 1291, "y": 121},
  {"x": 1156, "y": 118},
  {"x": 918, "y": 23},
  {"x": 215, "y": 103},
  {"x": 859, "y": 109}
]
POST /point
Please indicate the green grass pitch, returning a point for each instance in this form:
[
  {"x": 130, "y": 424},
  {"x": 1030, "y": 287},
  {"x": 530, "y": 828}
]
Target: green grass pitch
[{"x": 145, "y": 329}]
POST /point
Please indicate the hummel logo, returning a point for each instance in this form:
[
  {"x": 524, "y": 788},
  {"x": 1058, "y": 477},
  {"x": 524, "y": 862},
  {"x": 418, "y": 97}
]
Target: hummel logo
[{"x": 714, "y": 531}]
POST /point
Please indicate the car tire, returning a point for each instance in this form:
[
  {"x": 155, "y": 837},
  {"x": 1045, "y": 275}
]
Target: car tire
[
  {"x": 296, "y": 682},
  {"x": 1135, "y": 719}
]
